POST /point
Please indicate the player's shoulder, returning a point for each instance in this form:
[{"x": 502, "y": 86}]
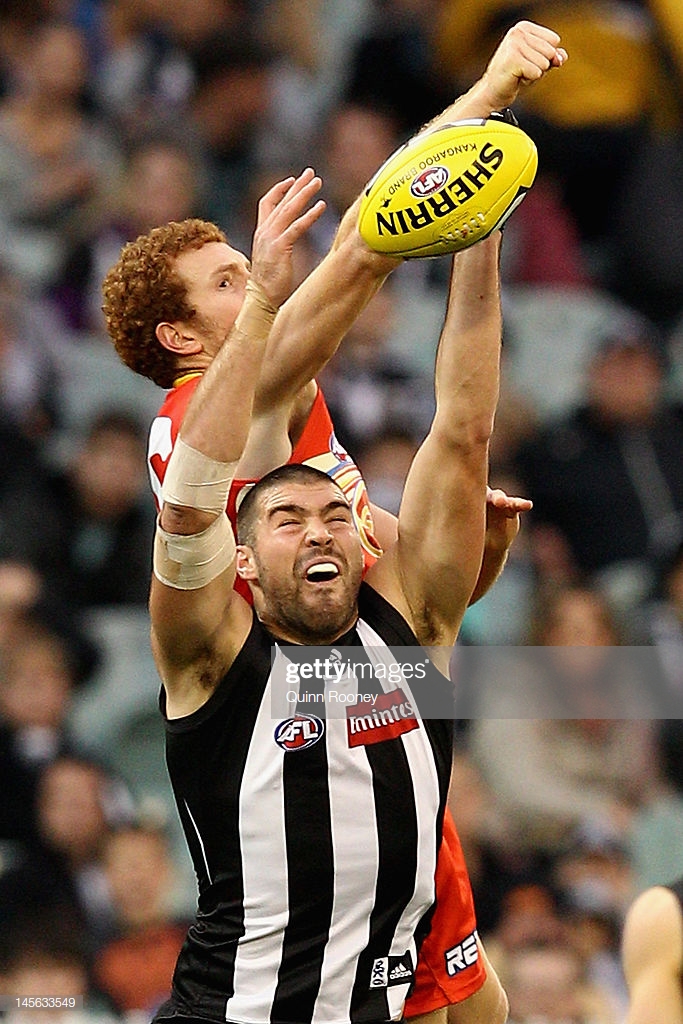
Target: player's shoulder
[{"x": 177, "y": 398}]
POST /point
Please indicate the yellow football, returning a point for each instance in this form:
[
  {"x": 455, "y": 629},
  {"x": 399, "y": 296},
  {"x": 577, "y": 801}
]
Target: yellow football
[{"x": 447, "y": 188}]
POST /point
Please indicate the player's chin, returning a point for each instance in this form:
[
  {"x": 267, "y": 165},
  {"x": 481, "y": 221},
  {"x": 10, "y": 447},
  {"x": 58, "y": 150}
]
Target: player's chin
[
  {"x": 329, "y": 606},
  {"x": 323, "y": 625}
]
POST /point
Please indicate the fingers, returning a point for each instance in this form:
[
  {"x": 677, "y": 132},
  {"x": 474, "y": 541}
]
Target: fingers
[
  {"x": 288, "y": 198},
  {"x": 528, "y": 51},
  {"x": 285, "y": 213},
  {"x": 498, "y": 499},
  {"x": 538, "y": 47}
]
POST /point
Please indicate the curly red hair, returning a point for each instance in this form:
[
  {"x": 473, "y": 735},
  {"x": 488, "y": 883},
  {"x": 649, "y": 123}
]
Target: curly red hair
[{"x": 143, "y": 289}]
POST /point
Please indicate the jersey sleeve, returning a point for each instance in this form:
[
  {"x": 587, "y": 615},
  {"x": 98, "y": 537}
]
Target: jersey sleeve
[
  {"x": 164, "y": 431},
  {"x": 449, "y": 968}
]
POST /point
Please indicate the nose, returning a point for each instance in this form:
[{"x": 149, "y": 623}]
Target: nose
[{"x": 318, "y": 533}]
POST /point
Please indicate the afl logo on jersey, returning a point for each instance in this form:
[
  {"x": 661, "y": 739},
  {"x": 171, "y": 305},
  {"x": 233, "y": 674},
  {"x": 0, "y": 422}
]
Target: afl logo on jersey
[{"x": 299, "y": 732}]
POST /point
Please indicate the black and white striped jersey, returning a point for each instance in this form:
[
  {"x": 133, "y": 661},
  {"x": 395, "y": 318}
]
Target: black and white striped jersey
[{"x": 314, "y": 842}]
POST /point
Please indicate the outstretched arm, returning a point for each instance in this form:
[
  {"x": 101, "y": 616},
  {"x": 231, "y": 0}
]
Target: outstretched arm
[
  {"x": 312, "y": 323},
  {"x": 503, "y": 513},
  {"x": 198, "y": 621},
  {"x": 430, "y": 572},
  {"x": 525, "y": 54}
]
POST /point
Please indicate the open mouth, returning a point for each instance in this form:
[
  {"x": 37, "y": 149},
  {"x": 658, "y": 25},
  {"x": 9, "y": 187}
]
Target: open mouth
[{"x": 322, "y": 572}]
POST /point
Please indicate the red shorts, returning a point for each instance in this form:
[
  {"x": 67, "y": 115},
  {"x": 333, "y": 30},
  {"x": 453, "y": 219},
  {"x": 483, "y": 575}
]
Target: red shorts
[{"x": 449, "y": 968}]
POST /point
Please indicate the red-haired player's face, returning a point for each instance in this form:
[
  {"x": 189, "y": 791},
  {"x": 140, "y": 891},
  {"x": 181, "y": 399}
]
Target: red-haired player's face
[{"x": 216, "y": 277}]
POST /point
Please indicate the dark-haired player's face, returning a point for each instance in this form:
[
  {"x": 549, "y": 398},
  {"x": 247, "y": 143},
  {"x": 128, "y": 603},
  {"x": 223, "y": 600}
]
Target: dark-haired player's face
[
  {"x": 216, "y": 277},
  {"x": 307, "y": 562}
]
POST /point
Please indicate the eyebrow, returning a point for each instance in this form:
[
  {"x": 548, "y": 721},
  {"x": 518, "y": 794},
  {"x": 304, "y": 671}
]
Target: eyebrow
[
  {"x": 293, "y": 508},
  {"x": 227, "y": 267}
]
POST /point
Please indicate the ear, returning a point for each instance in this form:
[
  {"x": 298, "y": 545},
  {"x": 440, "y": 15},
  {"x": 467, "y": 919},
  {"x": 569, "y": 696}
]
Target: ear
[
  {"x": 245, "y": 565},
  {"x": 177, "y": 339}
]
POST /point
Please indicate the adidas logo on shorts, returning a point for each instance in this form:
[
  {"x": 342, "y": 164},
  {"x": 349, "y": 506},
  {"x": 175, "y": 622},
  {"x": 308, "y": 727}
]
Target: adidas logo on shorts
[
  {"x": 391, "y": 970},
  {"x": 400, "y": 973}
]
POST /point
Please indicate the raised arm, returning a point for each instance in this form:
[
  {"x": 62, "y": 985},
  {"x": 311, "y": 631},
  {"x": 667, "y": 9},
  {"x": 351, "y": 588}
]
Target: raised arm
[
  {"x": 198, "y": 621},
  {"x": 431, "y": 570},
  {"x": 312, "y": 323}
]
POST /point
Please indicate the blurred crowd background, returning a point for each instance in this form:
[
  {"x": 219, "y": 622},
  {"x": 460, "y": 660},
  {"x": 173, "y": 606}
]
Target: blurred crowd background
[{"x": 117, "y": 115}]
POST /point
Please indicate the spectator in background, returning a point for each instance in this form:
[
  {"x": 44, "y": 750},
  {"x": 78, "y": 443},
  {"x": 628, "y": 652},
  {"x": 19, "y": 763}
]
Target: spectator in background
[
  {"x": 90, "y": 533},
  {"x": 43, "y": 955},
  {"x": 589, "y": 127},
  {"x": 144, "y": 76},
  {"x": 384, "y": 461},
  {"x": 370, "y": 387},
  {"x": 228, "y": 109},
  {"x": 57, "y": 164},
  {"x": 312, "y": 43},
  {"x": 546, "y": 974},
  {"x": 607, "y": 478},
  {"x": 495, "y": 869},
  {"x": 656, "y": 842},
  {"x": 568, "y": 771},
  {"x": 23, "y": 478},
  {"x": 393, "y": 67},
  {"x": 661, "y": 623},
  {"x": 355, "y": 140},
  {"x": 29, "y": 356},
  {"x": 596, "y": 881},
  {"x": 41, "y": 666},
  {"x": 161, "y": 182},
  {"x": 78, "y": 802},
  {"x": 135, "y": 969},
  {"x": 21, "y": 587},
  {"x": 140, "y": 77},
  {"x": 548, "y": 984}
]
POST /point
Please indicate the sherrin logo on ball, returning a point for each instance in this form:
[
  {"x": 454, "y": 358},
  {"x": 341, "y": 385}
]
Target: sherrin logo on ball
[{"x": 447, "y": 188}]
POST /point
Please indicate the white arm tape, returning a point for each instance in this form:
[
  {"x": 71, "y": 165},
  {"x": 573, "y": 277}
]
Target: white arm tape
[
  {"x": 194, "y": 480},
  {"x": 256, "y": 314},
  {"x": 190, "y": 562}
]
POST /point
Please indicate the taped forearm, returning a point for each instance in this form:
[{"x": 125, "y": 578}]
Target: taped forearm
[
  {"x": 190, "y": 562},
  {"x": 256, "y": 315},
  {"x": 193, "y": 480},
  {"x": 228, "y": 381}
]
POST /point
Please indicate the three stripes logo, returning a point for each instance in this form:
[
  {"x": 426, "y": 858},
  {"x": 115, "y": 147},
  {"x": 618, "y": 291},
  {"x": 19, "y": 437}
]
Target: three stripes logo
[{"x": 392, "y": 970}]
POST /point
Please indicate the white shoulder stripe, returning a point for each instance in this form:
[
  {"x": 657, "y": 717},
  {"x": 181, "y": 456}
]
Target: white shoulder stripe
[{"x": 200, "y": 840}]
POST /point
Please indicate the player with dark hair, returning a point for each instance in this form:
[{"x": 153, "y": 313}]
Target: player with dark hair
[
  {"x": 289, "y": 415},
  {"x": 315, "y": 843}
]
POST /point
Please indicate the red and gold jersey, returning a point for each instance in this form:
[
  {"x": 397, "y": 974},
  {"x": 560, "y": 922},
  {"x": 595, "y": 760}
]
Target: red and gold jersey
[{"x": 317, "y": 447}]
